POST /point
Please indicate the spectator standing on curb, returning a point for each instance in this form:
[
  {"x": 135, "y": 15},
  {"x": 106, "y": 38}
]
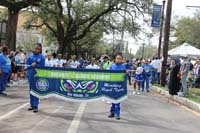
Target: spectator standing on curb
[
  {"x": 185, "y": 67},
  {"x": 73, "y": 63},
  {"x": 93, "y": 65},
  {"x": 106, "y": 61},
  {"x": 59, "y": 61},
  {"x": 174, "y": 80},
  {"x": 155, "y": 66},
  {"x": 49, "y": 62}
]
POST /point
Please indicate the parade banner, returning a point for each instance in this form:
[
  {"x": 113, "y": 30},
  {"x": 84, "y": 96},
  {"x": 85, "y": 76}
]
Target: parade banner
[
  {"x": 156, "y": 16},
  {"x": 81, "y": 85}
]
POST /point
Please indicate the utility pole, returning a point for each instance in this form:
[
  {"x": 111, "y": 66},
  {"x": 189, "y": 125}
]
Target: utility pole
[
  {"x": 143, "y": 50},
  {"x": 166, "y": 42},
  {"x": 161, "y": 29}
]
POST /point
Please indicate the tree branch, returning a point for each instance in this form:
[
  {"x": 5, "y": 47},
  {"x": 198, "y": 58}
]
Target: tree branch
[
  {"x": 17, "y": 6},
  {"x": 84, "y": 32},
  {"x": 51, "y": 29},
  {"x": 36, "y": 26}
]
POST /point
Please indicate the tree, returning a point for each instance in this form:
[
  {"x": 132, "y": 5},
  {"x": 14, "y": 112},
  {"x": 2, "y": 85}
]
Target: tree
[
  {"x": 3, "y": 14},
  {"x": 14, "y": 7},
  {"x": 146, "y": 51},
  {"x": 71, "y": 21},
  {"x": 188, "y": 30},
  {"x": 26, "y": 40}
]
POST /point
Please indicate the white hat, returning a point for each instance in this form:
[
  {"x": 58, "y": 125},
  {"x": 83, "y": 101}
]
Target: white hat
[
  {"x": 139, "y": 70},
  {"x": 184, "y": 55}
]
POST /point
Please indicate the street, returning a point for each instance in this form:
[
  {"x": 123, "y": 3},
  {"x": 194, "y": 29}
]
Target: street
[{"x": 143, "y": 113}]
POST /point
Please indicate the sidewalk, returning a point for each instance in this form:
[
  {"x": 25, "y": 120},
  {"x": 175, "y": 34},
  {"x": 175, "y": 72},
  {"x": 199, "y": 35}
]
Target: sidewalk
[{"x": 181, "y": 100}]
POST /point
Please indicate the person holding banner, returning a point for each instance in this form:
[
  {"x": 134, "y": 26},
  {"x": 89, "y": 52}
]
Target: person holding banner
[
  {"x": 36, "y": 59},
  {"x": 115, "y": 108}
]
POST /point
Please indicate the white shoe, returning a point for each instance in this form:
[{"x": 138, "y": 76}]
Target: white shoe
[
  {"x": 138, "y": 93},
  {"x": 11, "y": 81},
  {"x": 180, "y": 94},
  {"x": 10, "y": 85},
  {"x": 134, "y": 92},
  {"x": 108, "y": 102}
]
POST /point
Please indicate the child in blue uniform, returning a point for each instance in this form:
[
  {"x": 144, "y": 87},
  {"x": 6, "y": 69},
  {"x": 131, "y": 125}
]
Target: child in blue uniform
[
  {"x": 5, "y": 70},
  {"x": 115, "y": 108},
  {"x": 147, "y": 74},
  {"x": 138, "y": 80},
  {"x": 36, "y": 59}
]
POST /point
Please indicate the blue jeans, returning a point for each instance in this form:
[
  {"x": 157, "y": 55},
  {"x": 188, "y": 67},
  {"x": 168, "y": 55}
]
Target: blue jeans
[
  {"x": 115, "y": 109},
  {"x": 34, "y": 101},
  {"x": 184, "y": 83},
  {"x": 154, "y": 75},
  {"x": 146, "y": 80},
  {"x": 158, "y": 77},
  {"x": 3, "y": 81}
]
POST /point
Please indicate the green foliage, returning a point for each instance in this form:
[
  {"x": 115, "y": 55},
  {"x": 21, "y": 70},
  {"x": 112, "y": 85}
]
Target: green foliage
[
  {"x": 148, "y": 52},
  {"x": 3, "y": 14},
  {"x": 102, "y": 48},
  {"x": 188, "y": 30},
  {"x": 26, "y": 41},
  {"x": 80, "y": 24}
]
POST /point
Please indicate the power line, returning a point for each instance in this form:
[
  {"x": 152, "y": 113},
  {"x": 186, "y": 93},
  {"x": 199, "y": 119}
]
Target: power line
[{"x": 193, "y": 6}]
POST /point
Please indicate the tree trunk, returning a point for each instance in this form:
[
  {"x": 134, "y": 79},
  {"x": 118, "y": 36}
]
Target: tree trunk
[
  {"x": 64, "y": 46},
  {"x": 61, "y": 48},
  {"x": 11, "y": 29},
  {"x": 166, "y": 42}
]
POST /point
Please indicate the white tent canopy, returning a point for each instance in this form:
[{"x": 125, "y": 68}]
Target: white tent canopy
[{"x": 185, "y": 50}]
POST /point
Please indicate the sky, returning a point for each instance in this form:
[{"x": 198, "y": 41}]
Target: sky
[{"x": 178, "y": 9}]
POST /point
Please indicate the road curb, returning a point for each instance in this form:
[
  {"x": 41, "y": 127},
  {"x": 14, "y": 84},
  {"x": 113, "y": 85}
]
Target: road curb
[{"x": 181, "y": 100}]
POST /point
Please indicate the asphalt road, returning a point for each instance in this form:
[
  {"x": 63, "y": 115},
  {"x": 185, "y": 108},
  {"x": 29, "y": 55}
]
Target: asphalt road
[{"x": 140, "y": 114}]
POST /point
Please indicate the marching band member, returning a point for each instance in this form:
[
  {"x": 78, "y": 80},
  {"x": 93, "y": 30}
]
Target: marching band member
[
  {"x": 5, "y": 70},
  {"x": 115, "y": 108},
  {"x": 36, "y": 59}
]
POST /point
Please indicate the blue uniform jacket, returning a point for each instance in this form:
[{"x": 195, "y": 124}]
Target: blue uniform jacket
[
  {"x": 147, "y": 69},
  {"x": 117, "y": 67},
  {"x": 139, "y": 77},
  {"x": 40, "y": 62},
  {"x": 5, "y": 63}
]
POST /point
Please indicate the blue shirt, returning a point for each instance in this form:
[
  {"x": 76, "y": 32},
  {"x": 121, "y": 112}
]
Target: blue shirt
[
  {"x": 139, "y": 77},
  {"x": 117, "y": 67},
  {"x": 40, "y": 62},
  {"x": 147, "y": 69},
  {"x": 128, "y": 65},
  {"x": 5, "y": 63}
]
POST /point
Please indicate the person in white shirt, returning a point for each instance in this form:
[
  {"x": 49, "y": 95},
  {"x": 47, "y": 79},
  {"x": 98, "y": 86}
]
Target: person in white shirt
[
  {"x": 159, "y": 72},
  {"x": 156, "y": 65},
  {"x": 197, "y": 68},
  {"x": 60, "y": 62},
  {"x": 22, "y": 57},
  {"x": 49, "y": 62},
  {"x": 93, "y": 65},
  {"x": 185, "y": 67},
  {"x": 73, "y": 63}
]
